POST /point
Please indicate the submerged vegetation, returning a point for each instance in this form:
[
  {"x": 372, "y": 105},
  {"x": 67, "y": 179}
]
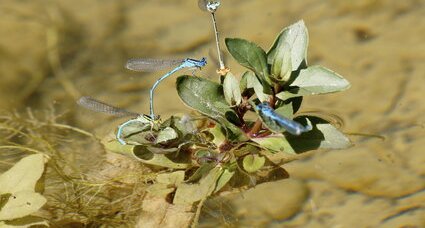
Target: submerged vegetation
[
  {"x": 245, "y": 127},
  {"x": 77, "y": 183}
]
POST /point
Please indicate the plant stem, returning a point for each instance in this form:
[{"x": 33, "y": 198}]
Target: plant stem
[
  {"x": 217, "y": 42},
  {"x": 277, "y": 88},
  {"x": 256, "y": 127}
]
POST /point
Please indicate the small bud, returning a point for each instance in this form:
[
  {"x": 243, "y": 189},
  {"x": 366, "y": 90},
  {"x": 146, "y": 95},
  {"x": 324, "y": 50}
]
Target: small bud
[{"x": 282, "y": 66}]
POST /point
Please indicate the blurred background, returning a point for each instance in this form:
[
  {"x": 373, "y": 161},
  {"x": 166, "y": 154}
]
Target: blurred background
[{"x": 54, "y": 51}]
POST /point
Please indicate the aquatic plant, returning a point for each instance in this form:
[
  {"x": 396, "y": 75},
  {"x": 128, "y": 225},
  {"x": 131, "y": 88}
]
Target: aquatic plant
[
  {"x": 245, "y": 130},
  {"x": 93, "y": 194}
]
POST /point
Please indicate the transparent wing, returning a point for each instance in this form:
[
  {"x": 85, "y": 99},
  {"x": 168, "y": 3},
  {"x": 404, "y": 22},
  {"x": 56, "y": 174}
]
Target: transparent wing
[
  {"x": 202, "y": 4},
  {"x": 149, "y": 65},
  {"x": 208, "y": 5},
  {"x": 99, "y": 106}
]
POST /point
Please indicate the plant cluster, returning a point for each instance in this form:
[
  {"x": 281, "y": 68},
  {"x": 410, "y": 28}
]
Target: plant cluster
[{"x": 232, "y": 143}]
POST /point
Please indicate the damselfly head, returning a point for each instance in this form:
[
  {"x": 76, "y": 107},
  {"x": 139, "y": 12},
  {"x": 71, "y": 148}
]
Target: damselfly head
[
  {"x": 203, "y": 61},
  {"x": 263, "y": 106},
  {"x": 209, "y": 5}
]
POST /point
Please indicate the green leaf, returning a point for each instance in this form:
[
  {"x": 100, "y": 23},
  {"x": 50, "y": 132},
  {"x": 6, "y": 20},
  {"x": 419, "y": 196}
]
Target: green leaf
[
  {"x": 146, "y": 155},
  {"x": 246, "y": 148},
  {"x": 116, "y": 147},
  {"x": 253, "y": 82},
  {"x": 281, "y": 66},
  {"x": 241, "y": 179},
  {"x": 24, "y": 175},
  {"x": 285, "y": 95},
  {"x": 296, "y": 36},
  {"x": 251, "y": 56},
  {"x": 322, "y": 136},
  {"x": 285, "y": 110},
  {"x": 219, "y": 136},
  {"x": 166, "y": 134},
  {"x": 204, "y": 96},
  {"x": 246, "y": 92},
  {"x": 253, "y": 162},
  {"x": 232, "y": 92},
  {"x": 135, "y": 132},
  {"x": 318, "y": 80},
  {"x": 275, "y": 143},
  {"x": 333, "y": 138},
  {"x": 185, "y": 124},
  {"x": 224, "y": 179},
  {"x": 207, "y": 98},
  {"x": 243, "y": 84},
  {"x": 187, "y": 193},
  {"x": 202, "y": 171}
]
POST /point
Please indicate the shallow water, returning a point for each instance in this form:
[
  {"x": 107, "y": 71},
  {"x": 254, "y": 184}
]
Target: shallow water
[{"x": 50, "y": 54}]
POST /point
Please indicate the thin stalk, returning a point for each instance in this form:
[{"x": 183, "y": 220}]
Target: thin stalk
[
  {"x": 256, "y": 127},
  {"x": 217, "y": 42}
]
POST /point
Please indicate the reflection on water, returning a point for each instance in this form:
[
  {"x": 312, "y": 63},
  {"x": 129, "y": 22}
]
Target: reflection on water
[{"x": 52, "y": 54}]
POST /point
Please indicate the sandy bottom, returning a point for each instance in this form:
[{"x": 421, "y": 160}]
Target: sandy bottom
[{"x": 51, "y": 55}]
